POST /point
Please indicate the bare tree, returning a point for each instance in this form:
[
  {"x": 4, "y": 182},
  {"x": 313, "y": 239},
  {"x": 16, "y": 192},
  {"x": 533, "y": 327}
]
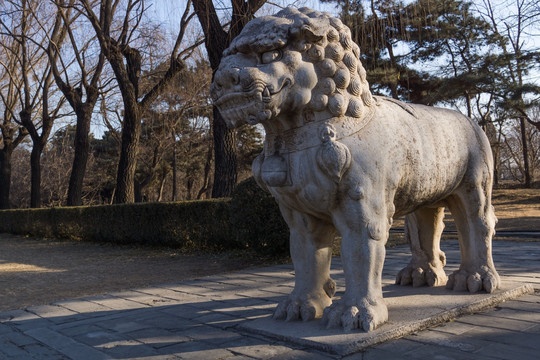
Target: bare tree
[
  {"x": 218, "y": 37},
  {"x": 39, "y": 133},
  {"x": 20, "y": 178},
  {"x": 116, "y": 38},
  {"x": 35, "y": 91},
  {"x": 512, "y": 167},
  {"x": 78, "y": 83},
  {"x": 175, "y": 134},
  {"x": 13, "y": 133}
]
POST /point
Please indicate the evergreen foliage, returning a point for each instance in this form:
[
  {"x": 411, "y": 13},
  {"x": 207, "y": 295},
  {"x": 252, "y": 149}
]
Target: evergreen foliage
[{"x": 400, "y": 43}]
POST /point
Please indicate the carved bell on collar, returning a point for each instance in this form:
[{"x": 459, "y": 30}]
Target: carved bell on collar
[{"x": 275, "y": 170}]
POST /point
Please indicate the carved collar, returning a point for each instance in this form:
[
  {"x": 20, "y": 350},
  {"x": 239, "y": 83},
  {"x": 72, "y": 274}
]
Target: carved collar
[{"x": 310, "y": 134}]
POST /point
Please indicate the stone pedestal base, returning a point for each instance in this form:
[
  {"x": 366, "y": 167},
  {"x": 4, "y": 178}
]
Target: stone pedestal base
[{"x": 410, "y": 310}]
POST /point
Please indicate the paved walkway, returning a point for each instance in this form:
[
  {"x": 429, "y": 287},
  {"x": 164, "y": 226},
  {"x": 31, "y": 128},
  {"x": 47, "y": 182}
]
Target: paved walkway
[{"x": 198, "y": 319}]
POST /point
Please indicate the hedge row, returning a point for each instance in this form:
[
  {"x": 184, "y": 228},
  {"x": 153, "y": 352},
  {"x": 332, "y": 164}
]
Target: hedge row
[
  {"x": 208, "y": 225},
  {"x": 200, "y": 224},
  {"x": 256, "y": 221}
]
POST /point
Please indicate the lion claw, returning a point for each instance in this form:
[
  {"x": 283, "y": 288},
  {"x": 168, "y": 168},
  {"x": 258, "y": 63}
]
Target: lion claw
[
  {"x": 421, "y": 275},
  {"x": 473, "y": 281},
  {"x": 301, "y": 308},
  {"x": 364, "y": 316}
]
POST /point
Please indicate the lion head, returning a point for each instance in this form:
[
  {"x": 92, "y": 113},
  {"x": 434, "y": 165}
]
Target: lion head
[{"x": 296, "y": 62}]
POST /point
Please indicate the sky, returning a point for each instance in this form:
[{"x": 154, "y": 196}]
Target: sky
[{"x": 170, "y": 11}]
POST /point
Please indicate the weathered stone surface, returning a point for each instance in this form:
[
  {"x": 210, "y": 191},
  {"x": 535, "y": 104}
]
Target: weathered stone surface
[{"x": 337, "y": 158}]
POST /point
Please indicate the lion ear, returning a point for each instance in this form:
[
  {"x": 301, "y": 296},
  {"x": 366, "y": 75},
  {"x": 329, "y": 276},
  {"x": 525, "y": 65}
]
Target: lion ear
[{"x": 312, "y": 34}]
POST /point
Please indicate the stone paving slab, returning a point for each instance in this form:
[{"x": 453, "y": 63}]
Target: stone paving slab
[
  {"x": 202, "y": 319},
  {"x": 410, "y": 310},
  {"x": 65, "y": 345}
]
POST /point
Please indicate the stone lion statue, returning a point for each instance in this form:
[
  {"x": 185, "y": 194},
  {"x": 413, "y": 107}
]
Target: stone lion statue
[{"x": 337, "y": 158}]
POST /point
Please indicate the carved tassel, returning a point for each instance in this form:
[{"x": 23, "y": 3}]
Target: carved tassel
[{"x": 333, "y": 157}]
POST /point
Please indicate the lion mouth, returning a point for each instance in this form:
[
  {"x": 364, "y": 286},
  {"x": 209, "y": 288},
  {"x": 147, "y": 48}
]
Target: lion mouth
[
  {"x": 269, "y": 91},
  {"x": 251, "y": 104},
  {"x": 239, "y": 107}
]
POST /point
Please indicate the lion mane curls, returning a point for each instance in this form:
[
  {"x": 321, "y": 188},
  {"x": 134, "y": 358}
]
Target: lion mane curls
[{"x": 326, "y": 42}]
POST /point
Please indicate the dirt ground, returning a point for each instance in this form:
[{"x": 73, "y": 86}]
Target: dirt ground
[
  {"x": 516, "y": 210},
  {"x": 37, "y": 271}
]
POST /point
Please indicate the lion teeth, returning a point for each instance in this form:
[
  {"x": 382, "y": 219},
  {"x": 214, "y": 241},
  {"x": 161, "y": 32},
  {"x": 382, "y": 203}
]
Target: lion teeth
[{"x": 247, "y": 107}]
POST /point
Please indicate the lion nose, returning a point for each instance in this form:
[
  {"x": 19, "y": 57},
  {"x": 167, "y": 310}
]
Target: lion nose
[
  {"x": 227, "y": 77},
  {"x": 234, "y": 75}
]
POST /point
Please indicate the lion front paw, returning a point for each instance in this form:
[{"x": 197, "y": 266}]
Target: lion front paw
[
  {"x": 422, "y": 275},
  {"x": 366, "y": 315},
  {"x": 483, "y": 279},
  {"x": 302, "y": 307}
]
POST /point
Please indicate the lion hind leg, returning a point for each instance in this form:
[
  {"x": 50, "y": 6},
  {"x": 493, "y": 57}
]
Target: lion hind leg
[
  {"x": 475, "y": 220},
  {"x": 423, "y": 229}
]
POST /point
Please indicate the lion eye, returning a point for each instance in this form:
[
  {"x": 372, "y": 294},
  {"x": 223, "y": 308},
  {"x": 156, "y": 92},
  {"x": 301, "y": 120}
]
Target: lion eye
[{"x": 270, "y": 56}]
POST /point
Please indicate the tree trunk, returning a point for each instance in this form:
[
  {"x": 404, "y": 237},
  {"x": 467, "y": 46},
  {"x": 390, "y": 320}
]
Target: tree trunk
[
  {"x": 35, "y": 176},
  {"x": 174, "y": 169},
  {"x": 225, "y": 163},
  {"x": 111, "y": 201},
  {"x": 468, "y": 103},
  {"x": 225, "y": 168},
  {"x": 495, "y": 141},
  {"x": 125, "y": 179},
  {"x": 207, "y": 168},
  {"x": 137, "y": 190},
  {"x": 82, "y": 150},
  {"x": 526, "y": 169},
  {"x": 216, "y": 41},
  {"x": 496, "y": 151},
  {"x": 161, "y": 187},
  {"x": 5, "y": 178},
  {"x": 189, "y": 187}
]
